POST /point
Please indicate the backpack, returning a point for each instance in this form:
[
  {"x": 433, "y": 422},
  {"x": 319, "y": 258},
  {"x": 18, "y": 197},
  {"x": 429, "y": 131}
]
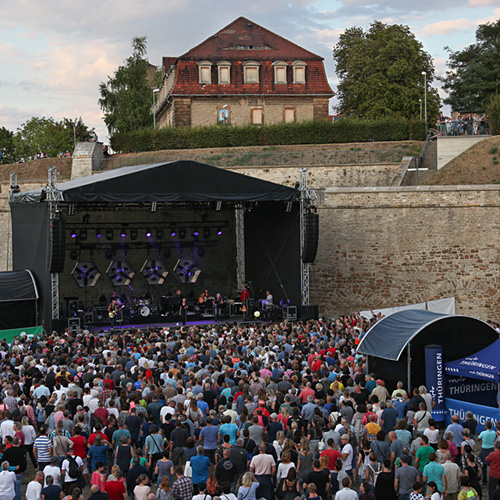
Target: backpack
[
  {"x": 74, "y": 470},
  {"x": 375, "y": 473}
]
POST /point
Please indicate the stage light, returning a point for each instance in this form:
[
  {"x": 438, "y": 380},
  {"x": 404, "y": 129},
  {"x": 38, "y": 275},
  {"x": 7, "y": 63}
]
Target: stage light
[
  {"x": 219, "y": 231},
  {"x": 109, "y": 234},
  {"x": 173, "y": 232},
  {"x": 182, "y": 233},
  {"x": 148, "y": 234},
  {"x": 71, "y": 209},
  {"x": 83, "y": 235},
  {"x": 159, "y": 234},
  {"x": 206, "y": 233},
  {"x": 73, "y": 235},
  {"x": 98, "y": 233},
  {"x": 133, "y": 234},
  {"x": 196, "y": 234},
  {"x": 123, "y": 234}
]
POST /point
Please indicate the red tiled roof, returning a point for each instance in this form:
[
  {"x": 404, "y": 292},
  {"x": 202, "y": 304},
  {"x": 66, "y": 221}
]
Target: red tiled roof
[
  {"x": 187, "y": 81},
  {"x": 167, "y": 63},
  {"x": 244, "y": 33}
]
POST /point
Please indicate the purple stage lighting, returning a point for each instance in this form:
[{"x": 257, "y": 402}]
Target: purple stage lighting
[
  {"x": 73, "y": 235},
  {"x": 148, "y": 234},
  {"x": 196, "y": 233},
  {"x": 123, "y": 234},
  {"x": 219, "y": 232},
  {"x": 98, "y": 235}
]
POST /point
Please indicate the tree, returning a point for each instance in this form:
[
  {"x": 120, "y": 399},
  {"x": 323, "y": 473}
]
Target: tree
[
  {"x": 474, "y": 72},
  {"x": 45, "y": 135},
  {"x": 126, "y": 98},
  {"x": 380, "y": 73},
  {"x": 7, "y": 148},
  {"x": 494, "y": 114}
]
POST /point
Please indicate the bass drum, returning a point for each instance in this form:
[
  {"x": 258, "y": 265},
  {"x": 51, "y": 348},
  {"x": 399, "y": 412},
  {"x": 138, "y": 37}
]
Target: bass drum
[{"x": 145, "y": 312}]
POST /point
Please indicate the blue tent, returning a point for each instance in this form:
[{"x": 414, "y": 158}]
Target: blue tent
[{"x": 483, "y": 365}]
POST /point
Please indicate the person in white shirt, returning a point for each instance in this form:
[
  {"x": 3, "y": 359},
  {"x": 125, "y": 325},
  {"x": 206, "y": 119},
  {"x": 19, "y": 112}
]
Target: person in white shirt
[
  {"x": 202, "y": 488},
  {"x": 7, "y": 482},
  {"x": 54, "y": 471},
  {"x": 346, "y": 453},
  {"x": 34, "y": 489},
  {"x": 346, "y": 493},
  {"x": 7, "y": 426}
]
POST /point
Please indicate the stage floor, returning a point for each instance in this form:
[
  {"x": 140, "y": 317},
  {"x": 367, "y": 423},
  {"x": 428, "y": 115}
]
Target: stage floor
[{"x": 205, "y": 322}]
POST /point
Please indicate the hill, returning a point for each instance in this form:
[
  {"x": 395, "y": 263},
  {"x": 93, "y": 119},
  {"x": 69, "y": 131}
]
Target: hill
[
  {"x": 480, "y": 164},
  {"x": 37, "y": 169}
]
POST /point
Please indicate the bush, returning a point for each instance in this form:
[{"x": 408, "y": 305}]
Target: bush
[
  {"x": 345, "y": 130},
  {"x": 494, "y": 115}
]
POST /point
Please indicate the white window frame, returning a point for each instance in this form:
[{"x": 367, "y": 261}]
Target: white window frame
[
  {"x": 251, "y": 65},
  {"x": 280, "y": 65},
  {"x": 296, "y": 66},
  {"x": 201, "y": 66},
  {"x": 220, "y": 65}
]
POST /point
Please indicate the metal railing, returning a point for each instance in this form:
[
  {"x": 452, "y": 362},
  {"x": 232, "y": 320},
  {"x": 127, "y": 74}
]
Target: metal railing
[{"x": 271, "y": 158}]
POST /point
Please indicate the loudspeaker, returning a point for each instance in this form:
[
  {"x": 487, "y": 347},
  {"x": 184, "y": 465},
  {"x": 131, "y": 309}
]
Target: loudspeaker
[
  {"x": 311, "y": 237},
  {"x": 58, "y": 325},
  {"x": 308, "y": 312},
  {"x": 57, "y": 245}
]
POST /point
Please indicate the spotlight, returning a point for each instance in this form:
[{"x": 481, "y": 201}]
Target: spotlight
[
  {"x": 71, "y": 209},
  {"x": 206, "y": 233},
  {"x": 148, "y": 234},
  {"x": 196, "y": 234},
  {"x": 83, "y": 234},
  {"x": 182, "y": 233},
  {"x": 219, "y": 231},
  {"x": 73, "y": 234},
  {"x": 98, "y": 233},
  {"x": 159, "y": 234},
  {"x": 109, "y": 234},
  {"x": 133, "y": 234},
  {"x": 173, "y": 232},
  {"x": 123, "y": 234}
]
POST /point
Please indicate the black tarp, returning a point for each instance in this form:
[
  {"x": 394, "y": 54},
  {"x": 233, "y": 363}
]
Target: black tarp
[
  {"x": 386, "y": 342},
  {"x": 177, "y": 181},
  {"x": 17, "y": 285}
]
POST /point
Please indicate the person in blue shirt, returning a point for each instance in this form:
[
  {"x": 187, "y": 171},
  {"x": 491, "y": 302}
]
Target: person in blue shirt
[
  {"x": 230, "y": 429},
  {"x": 209, "y": 435},
  {"x": 199, "y": 465}
]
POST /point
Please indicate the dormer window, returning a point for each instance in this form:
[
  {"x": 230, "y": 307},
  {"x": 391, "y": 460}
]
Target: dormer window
[
  {"x": 205, "y": 72},
  {"x": 280, "y": 71},
  {"x": 299, "y": 72},
  {"x": 251, "y": 72},
  {"x": 224, "y": 70}
]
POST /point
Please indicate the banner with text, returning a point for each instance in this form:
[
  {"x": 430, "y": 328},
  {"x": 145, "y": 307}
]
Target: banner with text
[
  {"x": 472, "y": 390},
  {"x": 434, "y": 379},
  {"x": 481, "y": 413}
]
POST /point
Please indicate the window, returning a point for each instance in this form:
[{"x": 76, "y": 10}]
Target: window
[
  {"x": 256, "y": 116},
  {"x": 205, "y": 72},
  {"x": 280, "y": 71},
  {"x": 299, "y": 72},
  {"x": 289, "y": 115},
  {"x": 251, "y": 72},
  {"x": 224, "y": 68},
  {"x": 223, "y": 115}
]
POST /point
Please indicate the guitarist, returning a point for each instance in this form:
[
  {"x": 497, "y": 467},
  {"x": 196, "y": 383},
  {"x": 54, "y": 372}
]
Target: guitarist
[{"x": 113, "y": 309}]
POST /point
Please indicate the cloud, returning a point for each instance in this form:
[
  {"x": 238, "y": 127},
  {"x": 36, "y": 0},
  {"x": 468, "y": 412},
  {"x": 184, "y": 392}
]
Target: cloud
[
  {"x": 446, "y": 27},
  {"x": 481, "y": 3}
]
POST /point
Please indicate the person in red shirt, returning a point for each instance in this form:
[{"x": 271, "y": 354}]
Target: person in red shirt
[
  {"x": 494, "y": 460},
  {"x": 18, "y": 428},
  {"x": 98, "y": 432},
  {"x": 332, "y": 454},
  {"x": 115, "y": 488},
  {"x": 80, "y": 448},
  {"x": 102, "y": 413}
]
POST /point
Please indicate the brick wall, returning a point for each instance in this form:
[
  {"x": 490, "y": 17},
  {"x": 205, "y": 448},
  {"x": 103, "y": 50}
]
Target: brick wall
[{"x": 394, "y": 246}]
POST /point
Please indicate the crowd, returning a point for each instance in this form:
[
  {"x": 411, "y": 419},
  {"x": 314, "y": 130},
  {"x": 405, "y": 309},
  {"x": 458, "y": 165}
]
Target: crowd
[
  {"x": 463, "y": 124},
  {"x": 236, "y": 412}
]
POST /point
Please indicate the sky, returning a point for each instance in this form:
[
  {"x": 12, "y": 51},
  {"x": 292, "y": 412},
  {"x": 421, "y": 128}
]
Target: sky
[{"x": 54, "y": 53}]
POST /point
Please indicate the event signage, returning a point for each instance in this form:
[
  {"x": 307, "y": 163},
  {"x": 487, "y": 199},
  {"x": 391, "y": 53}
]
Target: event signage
[
  {"x": 434, "y": 379},
  {"x": 481, "y": 413},
  {"x": 472, "y": 390}
]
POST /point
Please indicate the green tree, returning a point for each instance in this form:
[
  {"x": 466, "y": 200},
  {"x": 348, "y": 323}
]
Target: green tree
[
  {"x": 7, "y": 147},
  {"x": 126, "y": 98},
  {"x": 494, "y": 114},
  {"x": 473, "y": 76},
  {"x": 380, "y": 73},
  {"x": 45, "y": 135}
]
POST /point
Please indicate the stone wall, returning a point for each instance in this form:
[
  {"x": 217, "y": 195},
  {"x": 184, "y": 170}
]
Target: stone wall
[
  {"x": 449, "y": 147},
  {"x": 382, "y": 247}
]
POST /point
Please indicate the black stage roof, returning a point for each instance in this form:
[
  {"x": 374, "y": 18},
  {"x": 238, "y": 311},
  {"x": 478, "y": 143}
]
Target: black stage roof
[{"x": 177, "y": 181}]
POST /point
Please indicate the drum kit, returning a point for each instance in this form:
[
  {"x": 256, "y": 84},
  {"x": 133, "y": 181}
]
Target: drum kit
[{"x": 142, "y": 307}]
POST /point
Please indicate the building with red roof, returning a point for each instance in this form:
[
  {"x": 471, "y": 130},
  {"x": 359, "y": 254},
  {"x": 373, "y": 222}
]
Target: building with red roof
[{"x": 243, "y": 74}]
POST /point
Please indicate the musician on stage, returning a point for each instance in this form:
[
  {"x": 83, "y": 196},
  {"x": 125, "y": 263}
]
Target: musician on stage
[
  {"x": 218, "y": 303},
  {"x": 245, "y": 300},
  {"x": 113, "y": 309},
  {"x": 204, "y": 299},
  {"x": 183, "y": 309}
]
